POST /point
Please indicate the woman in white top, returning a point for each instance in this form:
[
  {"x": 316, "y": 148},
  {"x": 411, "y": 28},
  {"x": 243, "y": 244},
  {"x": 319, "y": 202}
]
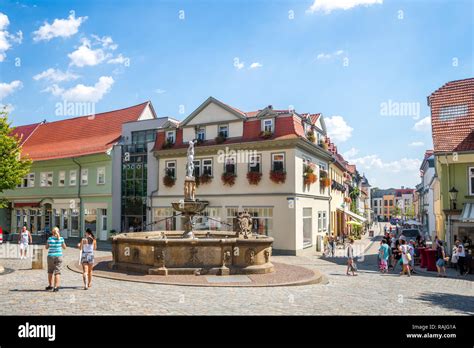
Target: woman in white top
[
  {"x": 461, "y": 253},
  {"x": 405, "y": 258},
  {"x": 24, "y": 238},
  {"x": 87, "y": 246}
]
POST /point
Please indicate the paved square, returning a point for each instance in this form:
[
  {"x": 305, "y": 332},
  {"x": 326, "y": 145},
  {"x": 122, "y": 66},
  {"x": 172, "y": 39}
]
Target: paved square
[{"x": 370, "y": 293}]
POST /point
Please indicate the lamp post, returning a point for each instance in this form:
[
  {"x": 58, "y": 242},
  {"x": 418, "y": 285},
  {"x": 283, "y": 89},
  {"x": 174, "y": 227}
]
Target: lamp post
[{"x": 453, "y": 195}]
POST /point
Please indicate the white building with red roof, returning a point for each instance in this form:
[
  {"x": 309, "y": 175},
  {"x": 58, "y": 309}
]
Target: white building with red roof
[{"x": 271, "y": 163}]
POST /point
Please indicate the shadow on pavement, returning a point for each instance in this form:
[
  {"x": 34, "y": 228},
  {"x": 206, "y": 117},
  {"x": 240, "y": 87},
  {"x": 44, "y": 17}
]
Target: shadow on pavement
[{"x": 460, "y": 303}]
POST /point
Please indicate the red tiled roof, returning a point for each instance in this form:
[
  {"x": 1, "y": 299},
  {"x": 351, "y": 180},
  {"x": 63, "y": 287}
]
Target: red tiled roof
[
  {"x": 351, "y": 168},
  {"x": 286, "y": 127},
  {"x": 79, "y": 136},
  {"x": 400, "y": 192},
  {"x": 454, "y": 134},
  {"x": 24, "y": 132}
]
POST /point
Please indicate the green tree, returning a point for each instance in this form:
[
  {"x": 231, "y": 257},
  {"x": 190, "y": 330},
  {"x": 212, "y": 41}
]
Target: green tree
[
  {"x": 12, "y": 167},
  {"x": 410, "y": 211}
]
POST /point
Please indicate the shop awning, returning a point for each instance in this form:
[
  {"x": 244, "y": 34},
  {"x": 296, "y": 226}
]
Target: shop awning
[
  {"x": 467, "y": 214},
  {"x": 355, "y": 216},
  {"x": 26, "y": 204}
]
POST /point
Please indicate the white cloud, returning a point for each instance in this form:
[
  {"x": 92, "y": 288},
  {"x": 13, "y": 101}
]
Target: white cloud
[
  {"x": 82, "y": 93},
  {"x": 404, "y": 171},
  {"x": 60, "y": 28},
  {"x": 55, "y": 75},
  {"x": 417, "y": 143},
  {"x": 96, "y": 51},
  {"x": 106, "y": 42},
  {"x": 327, "y": 56},
  {"x": 327, "y": 6},
  {"x": 351, "y": 153},
  {"x": 84, "y": 55},
  {"x": 120, "y": 59},
  {"x": 255, "y": 65},
  {"x": 8, "y": 108},
  {"x": 323, "y": 56},
  {"x": 4, "y": 21},
  {"x": 423, "y": 125},
  {"x": 6, "y": 38},
  {"x": 338, "y": 129},
  {"x": 375, "y": 162},
  {"x": 8, "y": 88}
]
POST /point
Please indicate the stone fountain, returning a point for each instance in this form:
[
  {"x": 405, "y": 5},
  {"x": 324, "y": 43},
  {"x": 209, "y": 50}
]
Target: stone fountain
[
  {"x": 190, "y": 251},
  {"x": 190, "y": 206}
]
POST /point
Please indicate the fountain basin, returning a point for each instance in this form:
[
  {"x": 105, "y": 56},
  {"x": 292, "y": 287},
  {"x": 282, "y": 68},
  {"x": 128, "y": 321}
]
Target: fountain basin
[
  {"x": 211, "y": 252},
  {"x": 190, "y": 207}
]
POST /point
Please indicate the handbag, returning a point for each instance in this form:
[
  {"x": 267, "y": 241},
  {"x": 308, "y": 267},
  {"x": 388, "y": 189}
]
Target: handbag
[
  {"x": 454, "y": 258},
  {"x": 353, "y": 267},
  {"x": 408, "y": 256}
]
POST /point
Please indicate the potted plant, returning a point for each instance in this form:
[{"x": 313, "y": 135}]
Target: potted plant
[
  {"x": 205, "y": 179},
  {"x": 254, "y": 177},
  {"x": 308, "y": 174},
  {"x": 168, "y": 144},
  {"x": 278, "y": 176},
  {"x": 169, "y": 180},
  {"x": 266, "y": 134},
  {"x": 228, "y": 178},
  {"x": 325, "y": 182},
  {"x": 310, "y": 136},
  {"x": 220, "y": 138}
]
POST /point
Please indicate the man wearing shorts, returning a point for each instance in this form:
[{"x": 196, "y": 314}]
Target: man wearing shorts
[{"x": 55, "y": 246}]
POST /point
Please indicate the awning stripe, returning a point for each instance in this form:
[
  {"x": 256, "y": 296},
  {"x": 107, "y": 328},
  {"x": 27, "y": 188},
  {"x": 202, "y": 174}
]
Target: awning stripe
[{"x": 467, "y": 214}]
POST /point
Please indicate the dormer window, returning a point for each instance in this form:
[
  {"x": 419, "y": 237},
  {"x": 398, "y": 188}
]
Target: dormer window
[
  {"x": 223, "y": 130},
  {"x": 201, "y": 134},
  {"x": 268, "y": 125},
  {"x": 171, "y": 137}
]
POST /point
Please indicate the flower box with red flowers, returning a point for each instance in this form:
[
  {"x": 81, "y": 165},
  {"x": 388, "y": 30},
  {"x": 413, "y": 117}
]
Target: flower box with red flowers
[
  {"x": 278, "y": 176},
  {"x": 254, "y": 177},
  {"x": 169, "y": 180},
  {"x": 228, "y": 179}
]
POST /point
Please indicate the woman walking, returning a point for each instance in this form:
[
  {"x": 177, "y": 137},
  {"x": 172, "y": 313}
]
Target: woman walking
[
  {"x": 384, "y": 252},
  {"x": 440, "y": 258},
  {"x": 24, "y": 238},
  {"x": 87, "y": 246},
  {"x": 55, "y": 245},
  {"x": 351, "y": 265},
  {"x": 405, "y": 256}
]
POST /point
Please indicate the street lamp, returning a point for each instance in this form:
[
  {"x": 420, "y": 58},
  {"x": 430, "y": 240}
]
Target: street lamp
[{"x": 453, "y": 195}]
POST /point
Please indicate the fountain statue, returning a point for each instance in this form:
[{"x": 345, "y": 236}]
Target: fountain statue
[
  {"x": 190, "y": 251},
  {"x": 190, "y": 206}
]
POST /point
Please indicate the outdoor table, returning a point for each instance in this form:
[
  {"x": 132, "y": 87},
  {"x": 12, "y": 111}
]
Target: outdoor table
[
  {"x": 422, "y": 251},
  {"x": 431, "y": 260}
]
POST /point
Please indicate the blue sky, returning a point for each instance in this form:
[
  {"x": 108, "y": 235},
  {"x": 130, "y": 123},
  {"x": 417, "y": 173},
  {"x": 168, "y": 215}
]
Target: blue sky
[{"x": 345, "y": 58}]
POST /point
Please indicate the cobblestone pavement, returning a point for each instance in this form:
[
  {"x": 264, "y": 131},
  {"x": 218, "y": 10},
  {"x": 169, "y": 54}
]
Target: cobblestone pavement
[{"x": 370, "y": 293}]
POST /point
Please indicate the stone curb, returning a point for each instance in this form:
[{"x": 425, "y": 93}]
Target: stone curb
[{"x": 317, "y": 278}]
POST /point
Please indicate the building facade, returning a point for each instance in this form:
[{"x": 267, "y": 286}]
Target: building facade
[
  {"x": 71, "y": 178},
  {"x": 452, "y": 119},
  {"x": 256, "y": 161}
]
